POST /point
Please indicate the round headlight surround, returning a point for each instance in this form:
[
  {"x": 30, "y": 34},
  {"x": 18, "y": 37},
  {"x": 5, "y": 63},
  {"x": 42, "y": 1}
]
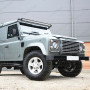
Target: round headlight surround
[
  {"x": 54, "y": 45},
  {"x": 82, "y": 47}
]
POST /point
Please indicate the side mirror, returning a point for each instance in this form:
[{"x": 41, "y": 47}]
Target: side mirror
[{"x": 20, "y": 37}]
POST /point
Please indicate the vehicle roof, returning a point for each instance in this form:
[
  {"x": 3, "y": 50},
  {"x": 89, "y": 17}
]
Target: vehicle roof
[
  {"x": 29, "y": 22},
  {"x": 7, "y": 23}
]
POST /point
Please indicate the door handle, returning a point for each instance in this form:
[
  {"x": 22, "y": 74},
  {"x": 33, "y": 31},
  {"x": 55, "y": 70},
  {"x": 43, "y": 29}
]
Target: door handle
[{"x": 7, "y": 46}]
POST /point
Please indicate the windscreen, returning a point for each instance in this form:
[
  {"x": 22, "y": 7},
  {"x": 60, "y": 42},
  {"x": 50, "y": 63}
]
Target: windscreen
[{"x": 26, "y": 28}]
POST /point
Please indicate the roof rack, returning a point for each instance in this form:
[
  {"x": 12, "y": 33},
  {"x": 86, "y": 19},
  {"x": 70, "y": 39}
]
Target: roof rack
[{"x": 35, "y": 23}]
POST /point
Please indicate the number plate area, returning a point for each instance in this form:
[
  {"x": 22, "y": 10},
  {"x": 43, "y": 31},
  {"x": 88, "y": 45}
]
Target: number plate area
[{"x": 72, "y": 58}]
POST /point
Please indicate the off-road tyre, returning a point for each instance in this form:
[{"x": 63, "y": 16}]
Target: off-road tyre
[
  {"x": 21, "y": 69},
  {"x": 76, "y": 68},
  {"x": 47, "y": 66}
]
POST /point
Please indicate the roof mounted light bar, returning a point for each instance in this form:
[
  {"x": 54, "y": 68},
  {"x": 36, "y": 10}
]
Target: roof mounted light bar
[{"x": 35, "y": 23}]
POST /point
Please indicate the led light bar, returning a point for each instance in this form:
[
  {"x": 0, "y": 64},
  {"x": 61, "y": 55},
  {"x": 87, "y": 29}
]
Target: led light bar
[{"x": 35, "y": 23}]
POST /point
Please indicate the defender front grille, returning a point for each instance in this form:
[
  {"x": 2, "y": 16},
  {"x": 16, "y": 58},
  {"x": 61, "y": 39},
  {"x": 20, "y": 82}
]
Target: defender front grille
[{"x": 70, "y": 47}]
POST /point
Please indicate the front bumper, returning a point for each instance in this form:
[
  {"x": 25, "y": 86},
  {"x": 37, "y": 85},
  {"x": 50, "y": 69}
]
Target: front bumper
[{"x": 51, "y": 57}]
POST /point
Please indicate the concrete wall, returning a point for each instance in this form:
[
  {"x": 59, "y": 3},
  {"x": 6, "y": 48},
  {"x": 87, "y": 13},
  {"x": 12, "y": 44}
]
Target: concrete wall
[{"x": 68, "y": 17}]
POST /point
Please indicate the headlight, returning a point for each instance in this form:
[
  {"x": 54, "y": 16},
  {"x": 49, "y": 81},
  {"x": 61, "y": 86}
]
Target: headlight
[
  {"x": 54, "y": 45},
  {"x": 82, "y": 47}
]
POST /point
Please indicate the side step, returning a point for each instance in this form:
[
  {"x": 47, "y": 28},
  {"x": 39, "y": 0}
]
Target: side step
[{"x": 11, "y": 64}]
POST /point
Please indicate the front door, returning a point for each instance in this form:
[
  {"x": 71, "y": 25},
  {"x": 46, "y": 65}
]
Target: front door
[{"x": 12, "y": 45}]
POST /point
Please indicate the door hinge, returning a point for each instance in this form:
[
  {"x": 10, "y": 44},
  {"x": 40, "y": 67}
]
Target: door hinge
[{"x": 22, "y": 44}]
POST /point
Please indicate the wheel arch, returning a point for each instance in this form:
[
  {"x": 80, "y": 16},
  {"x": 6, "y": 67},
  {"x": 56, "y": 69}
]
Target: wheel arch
[{"x": 34, "y": 48}]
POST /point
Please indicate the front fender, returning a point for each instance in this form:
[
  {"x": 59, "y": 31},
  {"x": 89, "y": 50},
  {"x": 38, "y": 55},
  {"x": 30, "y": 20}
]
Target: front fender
[{"x": 40, "y": 45}]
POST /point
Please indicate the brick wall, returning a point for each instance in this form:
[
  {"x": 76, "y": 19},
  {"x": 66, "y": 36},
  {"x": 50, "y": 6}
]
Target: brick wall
[{"x": 86, "y": 64}]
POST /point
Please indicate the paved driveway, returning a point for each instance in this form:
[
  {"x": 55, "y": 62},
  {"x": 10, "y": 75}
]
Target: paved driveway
[{"x": 14, "y": 80}]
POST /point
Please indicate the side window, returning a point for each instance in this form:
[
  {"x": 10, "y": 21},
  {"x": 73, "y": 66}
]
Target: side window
[{"x": 12, "y": 31}]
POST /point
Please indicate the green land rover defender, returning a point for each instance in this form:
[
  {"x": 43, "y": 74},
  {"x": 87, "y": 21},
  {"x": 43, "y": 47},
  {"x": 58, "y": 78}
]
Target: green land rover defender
[{"x": 29, "y": 46}]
